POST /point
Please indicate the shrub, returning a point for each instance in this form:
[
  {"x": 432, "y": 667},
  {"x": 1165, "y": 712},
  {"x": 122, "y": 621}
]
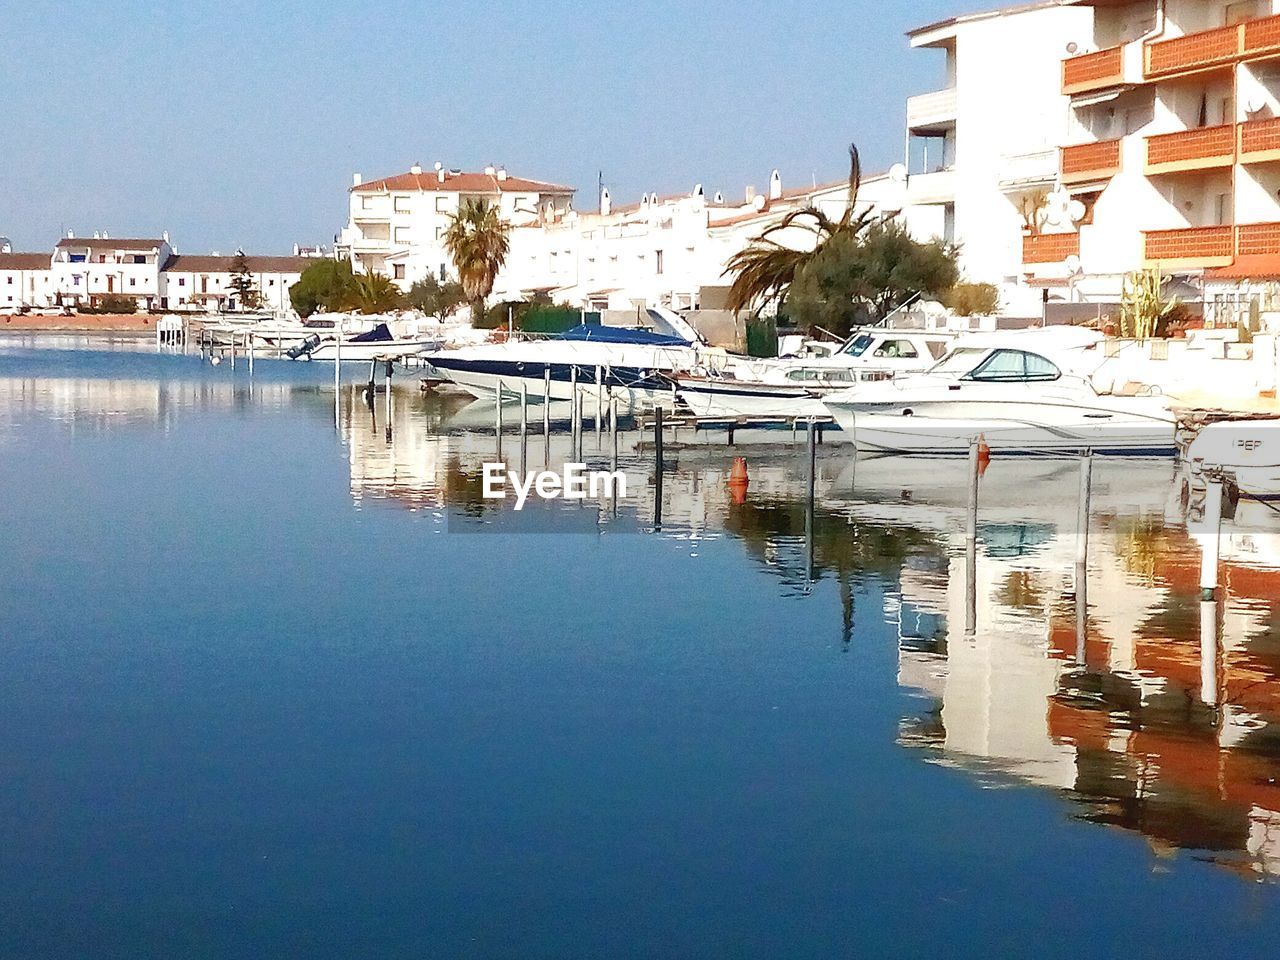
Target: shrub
[{"x": 973, "y": 299}]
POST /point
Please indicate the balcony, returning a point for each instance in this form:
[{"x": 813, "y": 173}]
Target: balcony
[
  {"x": 1257, "y": 239},
  {"x": 1049, "y": 247},
  {"x": 1090, "y": 161},
  {"x": 932, "y": 111},
  {"x": 1260, "y": 141},
  {"x": 1093, "y": 71},
  {"x": 1190, "y": 247},
  {"x": 1251, "y": 40},
  {"x": 1022, "y": 170},
  {"x": 936, "y": 187},
  {"x": 1201, "y": 149}
]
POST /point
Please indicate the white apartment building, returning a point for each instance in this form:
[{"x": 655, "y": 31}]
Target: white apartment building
[
  {"x": 1074, "y": 141},
  {"x": 396, "y": 224},
  {"x": 659, "y": 251},
  {"x": 82, "y": 271}
]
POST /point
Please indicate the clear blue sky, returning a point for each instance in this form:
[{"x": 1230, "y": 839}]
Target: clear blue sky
[{"x": 240, "y": 123}]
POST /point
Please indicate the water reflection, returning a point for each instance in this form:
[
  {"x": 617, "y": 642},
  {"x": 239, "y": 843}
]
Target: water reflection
[{"x": 1148, "y": 709}]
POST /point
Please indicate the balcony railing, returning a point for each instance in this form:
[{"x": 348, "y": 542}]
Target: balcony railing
[
  {"x": 1192, "y": 149},
  {"x": 1211, "y": 48},
  {"x": 1200, "y": 246},
  {"x": 1090, "y": 161},
  {"x": 937, "y": 109},
  {"x": 1093, "y": 71},
  {"x": 1254, "y": 239},
  {"x": 1260, "y": 140},
  {"x": 1050, "y": 247},
  {"x": 1020, "y": 169}
]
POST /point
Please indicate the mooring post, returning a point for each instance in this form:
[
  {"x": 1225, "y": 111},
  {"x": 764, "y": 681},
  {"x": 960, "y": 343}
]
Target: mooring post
[
  {"x": 389, "y": 400},
  {"x": 971, "y": 544},
  {"x": 524, "y": 408},
  {"x": 1210, "y": 652},
  {"x": 337, "y": 354},
  {"x": 657, "y": 438},
  {"x": 1083, "y": 510},
  {"x": 373, "y": 373},
  {"x": 811, "y": 436},
  {"x": 248, "y": 345},
  {"x": 497, "y": 417},
  {"x": 1211, "y": 541},
  {"x": 613, "y": 426},
  {"x": 599, "y": 401}
]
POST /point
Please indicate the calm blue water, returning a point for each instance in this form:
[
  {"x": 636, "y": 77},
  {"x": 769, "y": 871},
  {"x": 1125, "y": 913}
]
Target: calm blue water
[{"x": 263, "y": 694}]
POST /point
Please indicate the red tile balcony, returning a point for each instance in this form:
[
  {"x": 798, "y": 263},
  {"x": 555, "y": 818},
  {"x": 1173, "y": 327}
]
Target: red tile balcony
[
  {"x": 1190, "y": 247},
  {"x": 1257, "y": 239},
  {"x": 1194, "y": 51},
  {"x": 1261, "y": 36},
  {"x": 1260, "y": 141},
  {"x": 1093, "y": 71},
  {"x": 1090, "y": 161},
  {"x": 1050, "y": 247},
  {"x": 1199, "y": 149}
]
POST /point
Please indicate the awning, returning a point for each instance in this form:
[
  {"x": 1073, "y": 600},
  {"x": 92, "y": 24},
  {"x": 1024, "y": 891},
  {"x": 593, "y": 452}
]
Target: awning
[
  {"x": 1094, "y": 99},
  {"x": 1258, "y": 266}
]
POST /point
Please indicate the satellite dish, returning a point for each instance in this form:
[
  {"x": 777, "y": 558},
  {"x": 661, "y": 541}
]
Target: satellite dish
[
  {"x": 1073, "y": 48},
  {"x": 1076, "y": 211},
  {"x": 1057, "y": 209},
  {"x": 898, "y": 173}
]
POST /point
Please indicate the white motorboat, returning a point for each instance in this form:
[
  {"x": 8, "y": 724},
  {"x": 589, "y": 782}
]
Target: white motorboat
[
  {"x": 1012, "y": 394},
  {"x": 795, "y": 386},
  {"x": 375, "y": 344},
  {"x": 1246, "y": 451},
  {"x": 634, "y": 366}
]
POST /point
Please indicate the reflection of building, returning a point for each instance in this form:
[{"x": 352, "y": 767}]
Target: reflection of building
[{"x": 1149, "y": 722}]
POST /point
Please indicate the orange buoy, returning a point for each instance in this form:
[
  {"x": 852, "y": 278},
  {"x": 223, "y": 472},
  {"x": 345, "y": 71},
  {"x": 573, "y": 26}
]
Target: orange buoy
[
  {"x": 984, "y": 455},
  {"x": 738, "y": 480}
]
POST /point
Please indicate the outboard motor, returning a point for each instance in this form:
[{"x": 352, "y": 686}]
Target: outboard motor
[{"x": 304, "y": 348}]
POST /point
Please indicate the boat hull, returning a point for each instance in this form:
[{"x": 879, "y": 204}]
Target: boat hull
[
  {"x": 731, "y": 400},
  {"x": 634, "y": 389}
]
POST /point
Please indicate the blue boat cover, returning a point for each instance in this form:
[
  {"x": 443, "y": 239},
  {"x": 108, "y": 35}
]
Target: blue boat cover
[
  {"x": 605, "y": 334},
  {"x": 377, "y": 335}
]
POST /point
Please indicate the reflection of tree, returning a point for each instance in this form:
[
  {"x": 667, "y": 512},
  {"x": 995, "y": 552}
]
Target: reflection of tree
[
  {"x": 1020, "y": 592},
  {"x": 464, "y": 489},
  {"x": 1144, "y": 547}
]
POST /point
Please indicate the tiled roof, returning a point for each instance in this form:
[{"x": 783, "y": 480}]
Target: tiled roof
[
  {"x": 186, "y": 263},
  {"x": 429, "y": 181},
  {"x": 1258, "y": 266},
  {"x": 24, "y": 261},
  {"x": 98, "y": 243}
]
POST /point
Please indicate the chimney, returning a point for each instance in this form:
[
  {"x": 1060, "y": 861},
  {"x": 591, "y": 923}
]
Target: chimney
[
  {"x": 490, "y": 170},
  {"x": 97, "y": 235},
  {"x": 105, "y": 235},
  {"x": 775, "y": 186},
  {"x": 698, "y": 191},
  {"x": 165, "y": 236},
  {"x": 356, "y": 179},
  {"x": 440, "y": 173},
  {"x": 502, "y": 173},
  {"x": 416, "y": 169},
  {"x": 751, "y": 193},
  {"x": 606, "y": 202}
]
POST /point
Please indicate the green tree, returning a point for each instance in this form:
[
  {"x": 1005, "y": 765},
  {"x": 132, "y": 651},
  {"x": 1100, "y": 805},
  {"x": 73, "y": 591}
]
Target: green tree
[
  {"x": 1144, "y": 309},
  {"x": 434, "y": 298},
  {"x": 324, "y": 285},
  {"x": 478, "y": 240},
  {"x": 973, "y": 299},
  {"x": 857, "y": 279},
  {"x": 246, "y": 291},
  {"x": 764, "y": 270}
]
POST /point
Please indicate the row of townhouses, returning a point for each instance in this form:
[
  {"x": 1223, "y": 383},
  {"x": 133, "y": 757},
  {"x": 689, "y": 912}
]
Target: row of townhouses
[
  {"x": 85, "y": 271},
  {"x": 663, "y": 250}
]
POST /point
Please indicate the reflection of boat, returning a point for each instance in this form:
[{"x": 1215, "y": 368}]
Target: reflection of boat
[
  {"x": 375, "y": 344},
  {"x": 633, "y": 365},
  {"x": 1013, "y": 395},
  {"x": 794, "y": 387}
]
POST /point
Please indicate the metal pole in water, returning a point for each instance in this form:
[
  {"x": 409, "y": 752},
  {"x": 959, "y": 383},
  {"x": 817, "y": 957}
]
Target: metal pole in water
[
  {"x": 613, "y": 426},
  {"x": 599, "y": 401},
  {"x": 497, "y": 417},
  {"x": 812, "y": 439},
  {"x": 248, "y": 343},
  {"x": 657, "y": 477},
  {"x": 1209, "y": 651},
  {"x": 388, "y": 372},
  {"x": 971, "y": 545},
  {"x": 657, "y": 438},
  {"x": 337, "y": 354},
  {"x": 546, "y": 416},
  {"x": 524, "y": 407},
  {"x": 573, "y": 410},
  {"x": 1082, "y": 554},
  {"x": 1211, "y": 541}
]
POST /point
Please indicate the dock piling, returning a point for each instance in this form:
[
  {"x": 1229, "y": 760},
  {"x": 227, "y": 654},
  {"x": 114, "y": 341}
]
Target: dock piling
[
  {"x": 971, "y": 543},
  {"x": 811, "y": 438},
  {"x": 497, "y": 418},
  {"x": 599, "y": 401},
  {"x": 1211, "y": 540},
  {"x": 1082, "y": 553}
]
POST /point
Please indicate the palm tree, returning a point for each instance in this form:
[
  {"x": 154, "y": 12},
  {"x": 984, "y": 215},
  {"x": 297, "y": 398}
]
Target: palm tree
[
  {"x": 478, "y": 240},
  {"x": 765, "y": 269},
  {"x": 372, "y": 293}
]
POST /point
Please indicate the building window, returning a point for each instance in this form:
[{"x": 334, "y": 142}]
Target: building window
[
  {"x": 397, "y": 271},
  {"x": 133, "y": 281},
  {"x": 440, "y": 233},
  {"x": 442, "y": 204},
  {"x": 182, "y": 281},
  {"x": 403, "y": 235},
  {"x": 401, "y": 205},
  {"x": 366, "y": 203},
  {"x": 657, "y": 261}
]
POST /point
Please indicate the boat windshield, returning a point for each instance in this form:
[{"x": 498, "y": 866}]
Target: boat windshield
[
  {"x": 1014, "y": 366},
  {"x": 960, "y": 360},
  {"x": 859, "y": 345}
]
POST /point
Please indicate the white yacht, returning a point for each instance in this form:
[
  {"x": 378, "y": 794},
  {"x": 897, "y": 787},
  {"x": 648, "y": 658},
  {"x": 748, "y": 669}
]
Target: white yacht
[
  {"x": 633, "y": 365},
  {"x": 795, "y": 386},
  {"x": 1024, "y": 392}
]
